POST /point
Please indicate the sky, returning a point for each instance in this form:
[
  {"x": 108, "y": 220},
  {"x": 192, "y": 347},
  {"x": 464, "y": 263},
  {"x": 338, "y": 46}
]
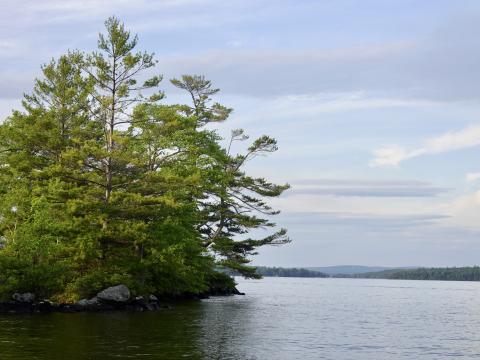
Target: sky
[{"x": 375, "y": 105}]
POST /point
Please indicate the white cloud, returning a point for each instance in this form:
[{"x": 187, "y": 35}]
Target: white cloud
[
  {"x": 6, "y": 45},
  {"x": 309, "y": 104},
  {"x": 309, "y": 71},
  {"x": 86, "y": 9},
  {"x": 465, "y": 211},
  {"x": 359, "y": 204},
  {"x": 365, "y": 221},
  {"x": 306, "y": 107},
  {"x": 365, "y": 188},
  {"x": 415, "y": 68},
  {"x": 151, "y": 14},
  {"x": 471, "y": 177},
  {"x": 453, "y": 140},
  {"x": 390, "y": 156},
  {"x": 393, "y": 155}
]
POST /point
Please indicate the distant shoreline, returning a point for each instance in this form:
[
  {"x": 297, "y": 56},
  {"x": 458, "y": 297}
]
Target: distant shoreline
[{"x": 470, "y": 273}]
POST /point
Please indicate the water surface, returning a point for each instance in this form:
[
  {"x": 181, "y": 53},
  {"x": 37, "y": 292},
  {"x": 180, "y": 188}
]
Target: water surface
[{"x": 279, "y": 318}]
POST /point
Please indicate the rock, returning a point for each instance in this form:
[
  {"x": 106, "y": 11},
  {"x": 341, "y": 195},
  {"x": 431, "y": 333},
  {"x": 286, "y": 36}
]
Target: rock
[
  {"x": 86, "y": 303},
  {"x": 138, "y": 304},
  {"x": 44, "y": 306},
  {"x": 14, "y": 307},
  {"x": 83, "y": 302},
  {"x": 24, "y": 298},
  {"x": 152, "y": 307},
  {"x": 144, "y": 303},
  {"x": 114, "y": 294},
  {"x": 140, "y": 301}
]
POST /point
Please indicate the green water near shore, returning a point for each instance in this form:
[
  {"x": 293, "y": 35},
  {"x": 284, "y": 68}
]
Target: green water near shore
[
  {"x": 166, "y": 334},
  {"x": 278, "y": 319}
]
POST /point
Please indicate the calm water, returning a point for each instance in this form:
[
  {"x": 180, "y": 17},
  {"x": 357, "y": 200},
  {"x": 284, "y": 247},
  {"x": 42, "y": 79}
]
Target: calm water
[{"x": 280, "y": 318}]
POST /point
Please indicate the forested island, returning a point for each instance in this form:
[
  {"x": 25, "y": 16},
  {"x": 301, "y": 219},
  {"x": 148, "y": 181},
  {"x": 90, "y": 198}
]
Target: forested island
[{"x": 103, "y": 183}]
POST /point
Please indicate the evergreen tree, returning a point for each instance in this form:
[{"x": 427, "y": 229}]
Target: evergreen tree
[
  {"x": 234, "y": 203},
  {"x": 101, "y": 184}
]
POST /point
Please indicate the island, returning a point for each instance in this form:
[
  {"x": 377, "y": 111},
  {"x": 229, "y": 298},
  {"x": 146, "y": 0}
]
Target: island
[{"x": 105, "y": 186}]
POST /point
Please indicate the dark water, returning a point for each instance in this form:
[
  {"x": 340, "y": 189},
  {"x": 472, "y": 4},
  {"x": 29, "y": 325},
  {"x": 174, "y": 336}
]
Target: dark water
[{"x": 280, "y": 318}]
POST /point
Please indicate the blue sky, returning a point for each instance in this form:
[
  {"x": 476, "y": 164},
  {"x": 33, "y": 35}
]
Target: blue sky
[{"x": 375, "y": 105}]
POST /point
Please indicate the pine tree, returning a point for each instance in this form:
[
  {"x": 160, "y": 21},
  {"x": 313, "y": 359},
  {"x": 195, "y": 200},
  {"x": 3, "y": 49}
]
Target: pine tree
[
  {"x": 234, "y": 203},
  {"x": 101, "y": 183}
]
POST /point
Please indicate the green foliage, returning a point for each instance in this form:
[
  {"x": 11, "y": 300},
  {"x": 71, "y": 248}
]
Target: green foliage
[
  {"x": 453, "y": 274},
  {"x": 220, "y": 283},
  {"x": 289, "y": 272},
  {"x": 101, "y": 184}
]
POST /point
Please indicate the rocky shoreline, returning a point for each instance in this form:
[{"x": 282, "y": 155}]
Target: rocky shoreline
[{"x": 115, "y": 298}]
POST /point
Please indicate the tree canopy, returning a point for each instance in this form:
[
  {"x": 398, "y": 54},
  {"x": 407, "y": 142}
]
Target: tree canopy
[
  {"x": 104, "y": 182},
  {"x": 471, "y": 273}
]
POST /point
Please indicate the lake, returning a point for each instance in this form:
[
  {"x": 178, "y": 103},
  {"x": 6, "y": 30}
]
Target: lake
[{"x": 279, "y": 318}]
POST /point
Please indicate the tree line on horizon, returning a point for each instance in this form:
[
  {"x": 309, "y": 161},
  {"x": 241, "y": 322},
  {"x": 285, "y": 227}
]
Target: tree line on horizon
[
  {"x": 102, "y": 182},
  {"x": 467, "y": 273},
  {"x": 289, "y": 272}
]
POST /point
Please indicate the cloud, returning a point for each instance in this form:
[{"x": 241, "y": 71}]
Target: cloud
[
  {"x": 464, "y": 211},
  {"x": 336, "y": 238},
  {"x": 141, "y": 15},
  {"x": 60, "y": 11},
  {"x": 302, "y": 105},
  {"x": 364, "y": 221},
  {"x": 365, "y": 188},
  {"x": 472, "y": 177},
  {"x": 302, "y": 71},
  {"x": 439, "y": 66},
  {"x": 393, "y": 155}
]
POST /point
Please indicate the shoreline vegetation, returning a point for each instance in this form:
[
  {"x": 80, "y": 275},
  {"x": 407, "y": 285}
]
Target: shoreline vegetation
[
  {"x": 105, "y": 184},
  {"x": 469, "y": 273},
  {"x": 289, "y": 272}
]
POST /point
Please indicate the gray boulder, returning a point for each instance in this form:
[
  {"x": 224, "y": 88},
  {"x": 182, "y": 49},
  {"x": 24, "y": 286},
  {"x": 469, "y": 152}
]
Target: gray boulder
[
  {"x": 24, "y": 298},
  {"x": 116, "y": 294},
  {"x": 83, "y": 302},
  {"x": 87, "y": 303}
]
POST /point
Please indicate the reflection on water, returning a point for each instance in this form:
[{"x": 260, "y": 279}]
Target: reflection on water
[
  {"x": 158, "y": 335},
  {"x": 280, "y": 318}
]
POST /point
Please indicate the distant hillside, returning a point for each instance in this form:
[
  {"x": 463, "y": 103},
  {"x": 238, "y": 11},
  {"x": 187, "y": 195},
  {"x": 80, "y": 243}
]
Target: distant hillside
[
  {"x": 451, "y": 274},
  {"x": 368, "y": 272},
  {"x": 288, "y": 272},
  {"x": 348, "y": 269},
  {"x": 382, "y": 274}
]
